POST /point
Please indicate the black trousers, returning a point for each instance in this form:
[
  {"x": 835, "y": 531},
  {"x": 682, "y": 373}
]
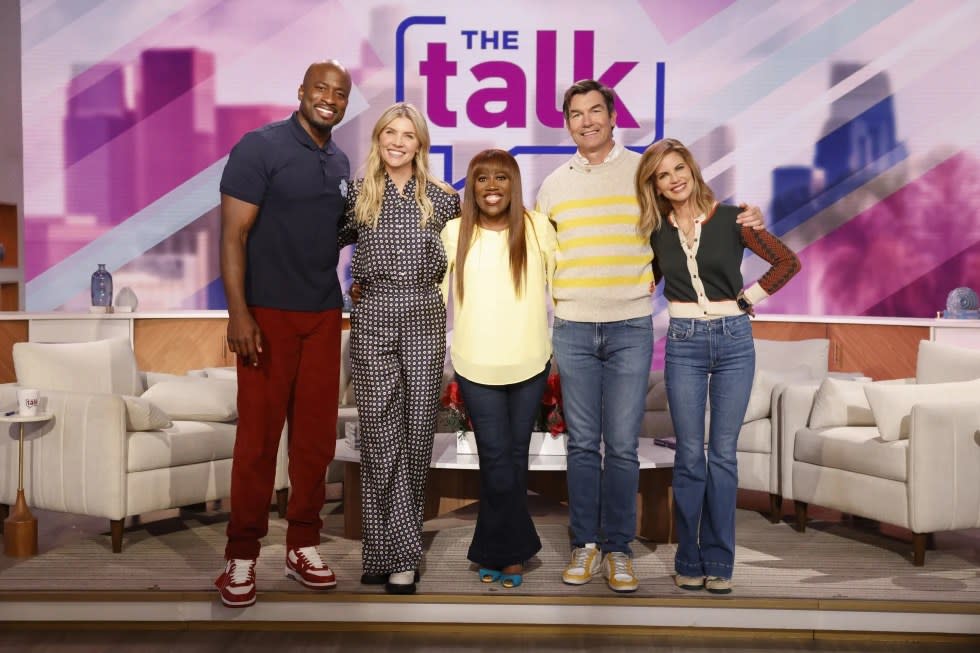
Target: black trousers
[{"x": 503, "y": 416}]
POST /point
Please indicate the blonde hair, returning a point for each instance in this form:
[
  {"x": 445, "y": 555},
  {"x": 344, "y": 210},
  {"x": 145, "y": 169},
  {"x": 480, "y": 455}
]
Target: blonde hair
[
  {"x": 655, "y": 207},
  {"x": 372, "y": 187},
  {"x": 517, "y": 217}
]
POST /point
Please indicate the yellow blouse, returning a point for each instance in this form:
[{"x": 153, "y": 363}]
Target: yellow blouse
[{"x": 500, "y": 337}]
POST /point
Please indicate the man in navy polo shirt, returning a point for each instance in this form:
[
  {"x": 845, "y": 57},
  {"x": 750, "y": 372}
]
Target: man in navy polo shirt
[{"x": 282, "y": 201}]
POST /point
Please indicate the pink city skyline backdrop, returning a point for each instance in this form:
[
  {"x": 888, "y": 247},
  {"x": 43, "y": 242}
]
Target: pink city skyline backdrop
[{"x": 848, "y": 123}]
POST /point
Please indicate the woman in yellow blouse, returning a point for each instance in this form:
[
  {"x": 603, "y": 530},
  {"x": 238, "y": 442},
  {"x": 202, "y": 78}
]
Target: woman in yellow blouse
[{"x": 501, "y": 258}]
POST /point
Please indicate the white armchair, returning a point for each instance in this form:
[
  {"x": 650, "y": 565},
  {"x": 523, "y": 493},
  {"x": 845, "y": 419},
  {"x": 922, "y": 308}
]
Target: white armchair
[
  {"x": 346, "y": 414},
  {"x": 108, "y": 452},
  {"x": 905, "y": 452},
  {"x": 758, "y": 455}
]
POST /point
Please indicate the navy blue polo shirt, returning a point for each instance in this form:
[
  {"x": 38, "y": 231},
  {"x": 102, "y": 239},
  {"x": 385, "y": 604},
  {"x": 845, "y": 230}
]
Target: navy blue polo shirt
[{"x": 300, "y": 190}]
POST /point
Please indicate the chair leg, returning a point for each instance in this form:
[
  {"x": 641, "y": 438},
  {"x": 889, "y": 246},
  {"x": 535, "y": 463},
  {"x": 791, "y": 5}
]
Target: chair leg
[
  {"x": 775, "y": 508},
  {"x": 800, "y": 515},
  {"x": 116, "y": 532},
  {"x": 282, "y": 500},
  {"x": 919, "y": 548},
  {"x": 4, "y": 513}
]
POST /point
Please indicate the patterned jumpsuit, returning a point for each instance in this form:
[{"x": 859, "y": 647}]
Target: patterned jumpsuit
[{"x": 398, "y": 349}]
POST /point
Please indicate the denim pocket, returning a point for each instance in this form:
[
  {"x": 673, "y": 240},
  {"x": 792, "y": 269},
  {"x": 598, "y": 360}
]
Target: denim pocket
[
  {"x": 680, "y": 330},
  {"x": 738, "y": 328},
  {"x": 557, "y": 324}
]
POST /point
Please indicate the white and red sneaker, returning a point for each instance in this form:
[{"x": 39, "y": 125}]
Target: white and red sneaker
[
  {"x": 304, "y": 565},
  {"x": 236, "y": 584}
]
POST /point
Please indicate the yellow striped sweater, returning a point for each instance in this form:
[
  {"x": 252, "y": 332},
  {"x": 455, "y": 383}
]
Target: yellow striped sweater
[{"x": 603, "y": 267}]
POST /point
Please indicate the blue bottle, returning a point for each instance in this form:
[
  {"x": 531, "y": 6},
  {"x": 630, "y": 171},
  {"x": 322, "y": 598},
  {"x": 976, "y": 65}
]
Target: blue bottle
[{"x": 102, "y": 287}]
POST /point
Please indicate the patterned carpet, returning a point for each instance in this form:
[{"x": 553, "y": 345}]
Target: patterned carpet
[{"x": 830, "y": 560}]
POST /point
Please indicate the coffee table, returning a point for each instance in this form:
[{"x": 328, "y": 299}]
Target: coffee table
[{"x": 454, "y": 482}]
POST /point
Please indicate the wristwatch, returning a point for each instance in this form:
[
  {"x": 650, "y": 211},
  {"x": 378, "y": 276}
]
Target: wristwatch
[{"x": 743, "y": 303}]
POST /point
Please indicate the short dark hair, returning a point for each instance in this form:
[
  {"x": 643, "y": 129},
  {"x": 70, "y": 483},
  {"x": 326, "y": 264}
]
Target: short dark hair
[{"x": 584, "y": 86}]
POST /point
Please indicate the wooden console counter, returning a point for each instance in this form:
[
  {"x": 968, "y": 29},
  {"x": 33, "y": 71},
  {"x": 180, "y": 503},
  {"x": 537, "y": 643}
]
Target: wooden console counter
[{"x": 177, "y": 341}]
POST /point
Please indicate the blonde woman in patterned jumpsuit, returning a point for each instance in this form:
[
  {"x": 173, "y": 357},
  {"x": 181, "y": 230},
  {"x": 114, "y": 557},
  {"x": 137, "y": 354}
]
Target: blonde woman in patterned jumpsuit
[{"x": 398, "y": 338}]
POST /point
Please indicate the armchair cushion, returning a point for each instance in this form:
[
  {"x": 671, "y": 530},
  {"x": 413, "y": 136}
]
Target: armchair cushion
[
  {"x": 857, "y": 449},
  {"x": 105, "y": 366},
  {"x": 892, "y": 404},
  {"x": 183, "y": 443},
  {"x": 764, "y": 382},
  {"x": 209, "y": 400},
  {"x": 144, "y": 415},
  {"x": 938, "y": 363},
  {"x": 841, "y": 403}
]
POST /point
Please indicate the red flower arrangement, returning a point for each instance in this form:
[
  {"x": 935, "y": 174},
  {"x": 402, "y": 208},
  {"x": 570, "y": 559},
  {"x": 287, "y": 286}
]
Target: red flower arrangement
[
  {"x": 550, "y": 417},
  {"x": 452, "y": 401}
]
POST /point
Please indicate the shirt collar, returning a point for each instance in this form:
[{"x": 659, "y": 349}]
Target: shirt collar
[
  {"x": 613, "y": 153},
  {"x": 305, "y": 139},
  {"x": 409, "y": 185}
]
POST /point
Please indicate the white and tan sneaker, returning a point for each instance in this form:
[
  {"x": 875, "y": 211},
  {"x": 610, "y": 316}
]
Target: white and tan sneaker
[
  {"x": 718, "y": 585},
  {"x": 583, "y": 565},
  {"x": 689, "y": 582},
  {"x": 617, "y": 568}
]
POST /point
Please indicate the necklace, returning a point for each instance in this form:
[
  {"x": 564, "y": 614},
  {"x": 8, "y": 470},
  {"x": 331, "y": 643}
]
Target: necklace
[{"x": 686, "y": 229}]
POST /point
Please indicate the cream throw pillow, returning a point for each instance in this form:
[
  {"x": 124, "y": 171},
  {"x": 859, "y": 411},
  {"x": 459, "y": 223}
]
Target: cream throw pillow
[
  {"x": 892, "y": 404},
  {"x": 143, "y": 415},
  {"x": 191, "y": 398},
  {"x": 938, "y": 363},
  {"x": 841, "y": 403},
  {"x": 788, "y": 355},
  {"x": 107, "y": 366}
]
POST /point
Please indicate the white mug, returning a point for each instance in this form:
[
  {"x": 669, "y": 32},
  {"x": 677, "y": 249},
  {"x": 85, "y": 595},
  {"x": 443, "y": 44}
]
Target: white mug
[
  {"x": 352, "y": 432},
  {"x": 27, "y": 401}
]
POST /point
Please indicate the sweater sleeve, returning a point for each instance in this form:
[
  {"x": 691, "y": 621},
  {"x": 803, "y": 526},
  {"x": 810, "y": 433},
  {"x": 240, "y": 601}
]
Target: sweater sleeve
[
  {"x": 784, "y": 263},
  {"x": 547, "y": 243}
]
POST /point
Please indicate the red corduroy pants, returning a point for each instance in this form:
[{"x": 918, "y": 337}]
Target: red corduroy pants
[{"x": 296, "y": 381}]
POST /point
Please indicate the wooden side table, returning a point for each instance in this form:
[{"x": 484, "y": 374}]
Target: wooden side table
[{"x": 20, "y": 528}]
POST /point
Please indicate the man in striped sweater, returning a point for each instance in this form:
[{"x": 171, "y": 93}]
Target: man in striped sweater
[{"x": 603, "y": 333}]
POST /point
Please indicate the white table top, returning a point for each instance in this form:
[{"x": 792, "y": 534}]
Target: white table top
[
  {"x": 444, "y": 456},
  {"x": 20, "y": 419}
]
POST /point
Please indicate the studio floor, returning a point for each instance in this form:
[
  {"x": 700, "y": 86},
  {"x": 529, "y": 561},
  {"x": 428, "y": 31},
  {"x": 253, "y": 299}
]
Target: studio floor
[{"x": 843, "y": 579}]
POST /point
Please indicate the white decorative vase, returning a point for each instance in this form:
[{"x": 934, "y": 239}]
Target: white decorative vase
[
  {"x": 465, "y": 443},
  {"x": 545, "y": 444},
  {"x": 126, "y": 300}
]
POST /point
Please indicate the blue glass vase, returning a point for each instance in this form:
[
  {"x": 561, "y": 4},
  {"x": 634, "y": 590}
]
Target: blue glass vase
[{"x": 102, "y": 287}]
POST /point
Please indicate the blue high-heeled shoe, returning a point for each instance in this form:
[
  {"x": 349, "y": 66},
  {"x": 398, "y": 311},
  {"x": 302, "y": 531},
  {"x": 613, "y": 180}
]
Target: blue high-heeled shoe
[
  {"x": 489, "y": 575},
  {"x": 510, "y": 581}
]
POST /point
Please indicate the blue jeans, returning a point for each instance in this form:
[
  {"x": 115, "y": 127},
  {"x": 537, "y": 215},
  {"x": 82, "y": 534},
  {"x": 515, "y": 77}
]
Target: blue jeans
[
  {"x": 704, "y": 490},
  {"x": 503, "y": 416},
  {"x": 605, "y": 369}
]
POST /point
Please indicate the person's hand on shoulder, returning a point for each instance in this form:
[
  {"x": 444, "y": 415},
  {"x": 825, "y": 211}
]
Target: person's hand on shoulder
[{"x": 751, "y": 216}]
